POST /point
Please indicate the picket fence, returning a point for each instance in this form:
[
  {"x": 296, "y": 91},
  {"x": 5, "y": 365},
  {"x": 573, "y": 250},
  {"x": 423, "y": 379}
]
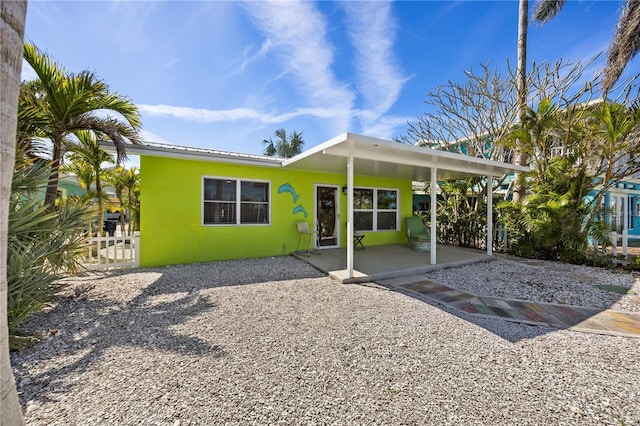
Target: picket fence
[{"x": 117, "y": 252}]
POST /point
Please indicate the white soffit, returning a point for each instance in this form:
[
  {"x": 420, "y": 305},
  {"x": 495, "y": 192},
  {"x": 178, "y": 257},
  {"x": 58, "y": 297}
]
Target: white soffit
[{"x": 379, "y": 157}]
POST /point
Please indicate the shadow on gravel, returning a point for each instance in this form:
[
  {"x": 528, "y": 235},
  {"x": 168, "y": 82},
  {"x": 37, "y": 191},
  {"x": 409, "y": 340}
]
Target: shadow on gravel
[
  {"x": 199, "y": 276},
  {"x": 82, "y": 327},
  {"x": 85, "y": 330}
]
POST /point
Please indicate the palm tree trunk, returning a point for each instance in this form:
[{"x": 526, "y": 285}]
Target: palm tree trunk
[
  {"x": 130, "y": 211},
  {"x": 11, "y": 35},
  {"x": 52, "y": 186},
  {"x": 100, "y": 204},
  {"x": 521, "y": 82}
]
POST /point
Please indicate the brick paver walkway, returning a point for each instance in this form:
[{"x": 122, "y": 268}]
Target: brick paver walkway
[{"x": 577, "y": 318}]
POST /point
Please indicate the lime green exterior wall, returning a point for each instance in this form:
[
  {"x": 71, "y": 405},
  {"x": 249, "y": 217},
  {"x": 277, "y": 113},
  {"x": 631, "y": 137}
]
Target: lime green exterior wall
[{"x": 171, "y": 227}]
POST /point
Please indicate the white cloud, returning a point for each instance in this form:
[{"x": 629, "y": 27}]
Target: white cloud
[
  {"x": 297, "y": 31},
  {"x": 247, "y": 59},
  {"x": 385, "y": 126},
  {"x": 371, "y": 28},
  {"x": 306, "y": 56},
  {"x": 237, "y": 114}
]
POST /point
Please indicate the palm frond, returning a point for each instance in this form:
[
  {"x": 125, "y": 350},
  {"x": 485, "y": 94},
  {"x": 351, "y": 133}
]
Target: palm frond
[
  {"x": 545, "y": 10},
  {"x": 625, "y": 44}
]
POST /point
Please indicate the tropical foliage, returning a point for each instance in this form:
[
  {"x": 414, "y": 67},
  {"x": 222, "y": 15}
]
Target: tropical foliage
[
  {"x": 61, "y": 103},
  {"x": 461, "y": 218},
  {"x": 126, "y": 183},
  {"x": 41, "y": 245},
  {"x": 89, "y": 156},
  {"x": 596, "y": 145},
  {"x": 579, "y": 146},
  {"x": 61, "y": 117},
  {"x": 285, "y": 146}
]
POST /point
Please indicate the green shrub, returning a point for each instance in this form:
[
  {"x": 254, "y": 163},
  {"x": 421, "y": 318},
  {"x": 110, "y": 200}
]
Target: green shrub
[{"x": 41, "y": 246}]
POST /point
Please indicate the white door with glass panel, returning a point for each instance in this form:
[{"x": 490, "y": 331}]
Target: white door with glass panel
[{"x": 327, "y": 216}]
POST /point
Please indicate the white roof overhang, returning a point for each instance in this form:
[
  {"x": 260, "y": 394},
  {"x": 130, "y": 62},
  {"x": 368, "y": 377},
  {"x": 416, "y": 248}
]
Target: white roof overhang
[
  {"x": 371, "y": 156},
  {"x": 379, "y": 157}
]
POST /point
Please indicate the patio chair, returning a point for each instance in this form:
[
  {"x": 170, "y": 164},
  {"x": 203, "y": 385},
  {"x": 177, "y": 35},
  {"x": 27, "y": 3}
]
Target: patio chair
[
  {"x": 417, "y": 234},
  {"x": 303, "y": 229}
]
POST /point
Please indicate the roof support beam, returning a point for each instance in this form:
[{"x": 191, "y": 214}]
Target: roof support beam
[
  {"x": 350, "y": 215},
  {"x": 489, "y": 215},
  {"x": 434, "y": 205}
]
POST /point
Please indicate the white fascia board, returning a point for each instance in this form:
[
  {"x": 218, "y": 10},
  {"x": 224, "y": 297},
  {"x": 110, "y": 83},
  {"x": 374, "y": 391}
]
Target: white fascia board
[
  {"x": 198, "y": 154},
  {"x": 316, "y": 149}
]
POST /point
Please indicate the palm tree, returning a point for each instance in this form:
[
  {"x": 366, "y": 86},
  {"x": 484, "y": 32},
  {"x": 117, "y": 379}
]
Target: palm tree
[
  {"x": 12, "y": 20},
  {"x": 126, "y": 184},
  {"x": 88, "y": 151},
  {"x": 286, "y": 146},
  {"x": 131, "y": 180},
  {"x": 521, "y": 157},
  {"x": 68, "y": 103},
  {"x": 84, "y": 174},
  {"x": 614, "y": 127},
  {"x": 624, "y": 45}
]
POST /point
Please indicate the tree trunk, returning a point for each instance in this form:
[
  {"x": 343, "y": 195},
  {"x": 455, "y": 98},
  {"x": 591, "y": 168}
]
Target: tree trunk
[
  {"x": 13, "y": 15},
  {"x": 100, "y": 204},
  {"x": 131, "y": 213},
  {"x": 520, "y": 158},
  {"x": 52, "y": 185}
]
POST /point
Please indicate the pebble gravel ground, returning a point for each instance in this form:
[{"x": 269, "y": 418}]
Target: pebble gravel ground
[
  {"x": 273, "y": 341},
  {"x": 545, "y": 281}
]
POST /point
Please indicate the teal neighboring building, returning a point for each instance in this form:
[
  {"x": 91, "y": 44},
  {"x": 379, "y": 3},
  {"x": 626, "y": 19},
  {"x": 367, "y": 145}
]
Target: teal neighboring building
[{"x": 68, "y": 186}]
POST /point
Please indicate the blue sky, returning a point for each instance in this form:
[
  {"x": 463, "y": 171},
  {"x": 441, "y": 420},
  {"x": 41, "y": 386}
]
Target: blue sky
[{"x": 226, "y": 75}]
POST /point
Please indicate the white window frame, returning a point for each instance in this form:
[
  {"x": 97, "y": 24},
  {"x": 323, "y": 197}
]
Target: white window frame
[
  {"x": 630, "y": 212},
  {"x": 238, "y": 200},
  {"x": 375, "y": 209}
]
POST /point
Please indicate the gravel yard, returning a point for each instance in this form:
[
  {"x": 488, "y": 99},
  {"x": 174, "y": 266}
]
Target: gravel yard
[
  {"x": 545, "y": 281},
  {"x": 273, "y": 341}
]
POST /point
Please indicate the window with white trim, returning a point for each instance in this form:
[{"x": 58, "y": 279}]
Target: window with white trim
[
  {"x": 375, "y": 209},
  {"x": 223, "y": 198}
]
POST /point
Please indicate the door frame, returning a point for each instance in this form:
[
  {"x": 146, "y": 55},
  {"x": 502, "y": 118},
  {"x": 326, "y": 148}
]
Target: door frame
[{"x": 315, "y": 214}]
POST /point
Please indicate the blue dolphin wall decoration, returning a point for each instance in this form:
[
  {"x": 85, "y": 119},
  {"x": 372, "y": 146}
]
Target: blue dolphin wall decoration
[
  {"x": 286, "y": 187},
  {"x": 299, "y": 209}
]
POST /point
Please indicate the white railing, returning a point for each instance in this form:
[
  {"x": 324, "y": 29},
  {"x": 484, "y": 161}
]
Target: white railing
[
  {"x": 625, "y": 237},
  {"x": 117, "y": 252}
]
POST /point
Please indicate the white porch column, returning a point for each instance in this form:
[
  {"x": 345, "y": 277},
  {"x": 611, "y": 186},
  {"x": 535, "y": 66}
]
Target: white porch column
[
  {"x": 489, "y": 215},
  {"x": 350, "y": 215},
  {"x": 434, "y": 206}
]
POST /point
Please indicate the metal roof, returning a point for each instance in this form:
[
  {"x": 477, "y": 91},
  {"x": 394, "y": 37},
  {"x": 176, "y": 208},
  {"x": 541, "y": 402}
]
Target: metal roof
[{"x": 155, "y": 149}]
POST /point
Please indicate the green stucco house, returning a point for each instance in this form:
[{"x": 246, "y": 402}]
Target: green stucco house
[{"x": 200, "y": 205}]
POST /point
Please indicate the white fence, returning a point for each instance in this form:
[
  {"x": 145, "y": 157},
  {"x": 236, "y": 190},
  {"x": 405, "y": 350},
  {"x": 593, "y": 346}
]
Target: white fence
[
  {"x": 624, "y": 237},
  {"x": 117, "y": 252}
]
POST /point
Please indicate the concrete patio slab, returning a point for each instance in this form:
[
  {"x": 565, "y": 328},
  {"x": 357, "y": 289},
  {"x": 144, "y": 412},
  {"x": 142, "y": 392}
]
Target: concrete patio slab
[{"x": 389, "y": 261}]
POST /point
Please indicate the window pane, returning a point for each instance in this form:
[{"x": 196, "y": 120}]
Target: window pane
[
  {"x": 387, "y": 220},
  {"x": 387, "y": 200},
  {"x": 254, "y": 213},
  {"x": 363, "y": 221},
  {"x": 219, "y": 190},
  {"x": 362, "y": 198},
  {"x": 254, "y": 191},
  {"x": 219, "y": 213}
]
